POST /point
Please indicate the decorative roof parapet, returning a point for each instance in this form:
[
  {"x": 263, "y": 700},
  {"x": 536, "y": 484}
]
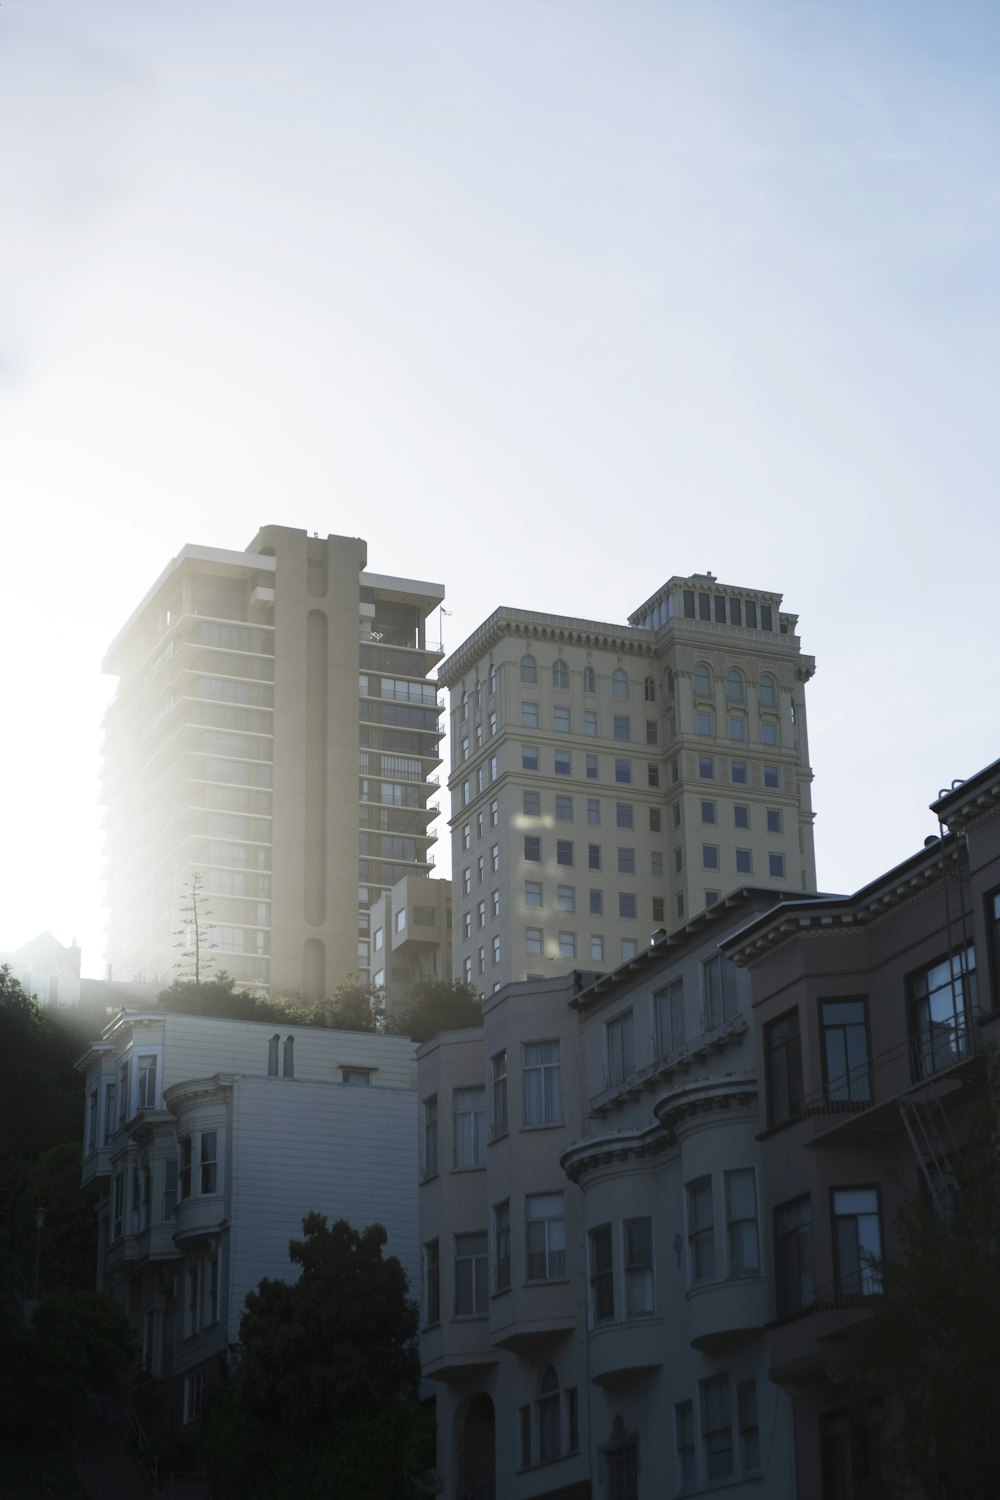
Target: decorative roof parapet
[{"x": 531, "y": 625}]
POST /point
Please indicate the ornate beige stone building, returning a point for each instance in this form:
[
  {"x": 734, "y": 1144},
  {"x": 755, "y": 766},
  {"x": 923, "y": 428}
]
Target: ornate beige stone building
[
  {"x": 611, "y": 780},
  {"x": 274, "y": 733}
]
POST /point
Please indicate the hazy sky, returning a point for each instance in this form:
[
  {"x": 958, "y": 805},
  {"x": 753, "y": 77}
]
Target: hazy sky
[{"x": 549, "y": 300}]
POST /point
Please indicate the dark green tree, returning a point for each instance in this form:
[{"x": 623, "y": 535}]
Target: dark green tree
[
  {"x": 323, "y": 1401},
  {"x": 930, "y": 1347},
  {"x": 434, "y": 1007},
  {"x": 352, "y": 1007},
  {"x": 219, "y": 996}
]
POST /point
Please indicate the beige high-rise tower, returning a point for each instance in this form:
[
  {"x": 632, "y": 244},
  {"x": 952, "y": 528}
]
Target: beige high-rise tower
[
  {"x": 611, "y": 780},
  {"x": 274, "y": 733}
]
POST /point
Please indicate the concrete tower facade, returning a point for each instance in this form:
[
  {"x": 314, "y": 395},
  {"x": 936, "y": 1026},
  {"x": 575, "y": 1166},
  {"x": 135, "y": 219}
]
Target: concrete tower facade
[
  {"x": 609, "y": 780},
  {"x": 274, "y": 733}
]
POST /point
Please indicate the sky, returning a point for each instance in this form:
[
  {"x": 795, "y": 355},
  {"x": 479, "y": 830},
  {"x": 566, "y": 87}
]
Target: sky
[{"x": 549, "y": 300}]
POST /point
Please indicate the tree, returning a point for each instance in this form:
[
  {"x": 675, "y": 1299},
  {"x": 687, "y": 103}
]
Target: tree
[
  {"x": 930, "y": 1347},
  {"x": 435, "y": 1007},
  {"x": 195, "y": 931},
  {"x": 219, "y": 996},
  {"x": 41, "y": 1102},
  {"x": 323, "y": 1401},
  {"x": 352, "y": 1007}
]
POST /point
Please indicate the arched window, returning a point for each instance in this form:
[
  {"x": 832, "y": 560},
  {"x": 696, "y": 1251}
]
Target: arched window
[
  {"x": 649, "y": 690},
  {"x": 589, "y": 680},
  {"x": 288, "y": 1058},
  {"x": 465, "y": 705},
  {"x": 619, "y": 684},
  {"x": 560, "y": 675},
  {"x": 735, "y": 690},
  {"x": 272, "y": 1056},
  {"x": 492, "y": 679},
  {"x": 702, "y": 682},
  {"x": 529, "y": 669},
  {"x": 766, "y": 691},
  {"x": 549, "y": 1445}
]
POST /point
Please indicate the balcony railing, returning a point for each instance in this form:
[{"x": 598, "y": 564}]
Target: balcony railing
[{"x": 865, "y": 1099}]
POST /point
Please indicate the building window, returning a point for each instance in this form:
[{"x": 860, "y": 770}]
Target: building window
[
  {"x": 541, "y": 1081},
  {"x": 783, "y": 1060},
  {"x": 941, "y": 997},
  {"x": 857, "y": 1241},
  {"x": 593, "y": 810},
  {"x": 560, "y": 674},
  {"x": 851, "y": 1444},
  {"x": 684, "y": 1431},
  {"x": 844, "y": 1025},
  {"x": 467, "y": 881},
  {"x": 716, "y": 1427},
  {"x": 400, "y": 918},
  {"x": 711, "y": 898},
  {"x": 560, "y": 719},
  {"x": 194, "y": 1396},
  {"x": 701, "y": 1230},
  {"x": 467, "y": 970},
  {"x": 706, "y": 768},
  {"x": 627, "y": 905},
  {"x": 545, "y": 1236},
  {"x": 737, "y": 727},
  {"x": 766, "y": 692},
  {"x": 619, "y": 1048},
  {"x": 638, "y": 1268},
  {"x": 735, "y": 689},
  {"x": 564, "y": 809},
  {"x": 501, "y": 1247},
  {"x": 498, "y": 1095},
  {"x": 602, "y": 1277},
  {"x": 626, "y": 861},
  {"x": 209, "y": 1164},
  {"x": 738, "y": 773},
  {"x": 619, "y": 684},
  {"x": 654, "y": 819},
  {"x": 746, "y": 1411},
  {"x": 494, "y": 812},
  {"x": 533, "y": 940},
  {"x": 491, "y": 681},
  {"x": 146, "y": 1081},
  {"x": 532, "y": 849},
  {"x": 793, "y": 1263},
  {"x": 649, "y": 689},
  {"x": 741, "y": 815},
  {"x": 170, "y": 1190},
  {"x": 776, "y": 866},
  {"x": 118, "y": 1207},
  {"x": 741, "y": 1222},
  {"x": 596, "y": 903},
  {"x": 480, "y": 914},
  {"x": 432, "y": 1282},
  {"x": 495, "y": 949},
  {"x": 623, "y": 772},
  {"x": 357, "y": 1078},
  {"x": 668, "y": 1004},
  {"x": 572, "y": 1420},
  {"x": 562, "y": 763},
  {"x": 621, "y": 727},
  {"x": 209, "y": 1291},
  {"x": 772, "y": 777},
  {"x": 710, "y": 856},
  {"x": 469, "y": 1112},
  {"x": 531, "y": 804},
  {"x": 549, "y": 1413},
  {"x": 533, "y": 893},
  {"x": 529, "y": 757},
  {"x": 589, "y": 680},
  {"x": 529, "y": 669},
  {"x": 624, "y": 815},
  {"x": 471, "y": 1271},
  {"x": 494, "y": 858},
  {"x": 466, "y": 926},
  {"x": 708, "y": 812},
  {"x": 702, "y": 682},
  {"x": 774, "y": 820},
  {"x": 597, "y": 948},
  {"x": 629, "y": 949},
  {"x": 703, "y": 723},
  {"x": 184, "y": 1176},
  {"x": 590, "y": 722},
  {"x": 565, "y": 897},
  {"x": 494, "y": 905},
  {"x": 592, "y": 771},
  {"x": 567, "y": 945},
  {"x": 564, "y": 852},
  {"x": 744, "y": 862},
  {"x": 593, "y": 856},
  {"x": 431, "y": 1136}
]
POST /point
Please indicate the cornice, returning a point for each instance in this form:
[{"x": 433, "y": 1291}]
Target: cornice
[
  {"x": 527, "y": 625},
  {"x": 581, "y": 1158}
]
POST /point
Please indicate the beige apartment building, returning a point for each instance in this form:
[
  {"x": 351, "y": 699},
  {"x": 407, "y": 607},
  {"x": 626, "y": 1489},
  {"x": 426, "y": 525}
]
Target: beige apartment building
[
  {"x": 275, "y": 734},
  {"x": 610, "y": 780}
]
